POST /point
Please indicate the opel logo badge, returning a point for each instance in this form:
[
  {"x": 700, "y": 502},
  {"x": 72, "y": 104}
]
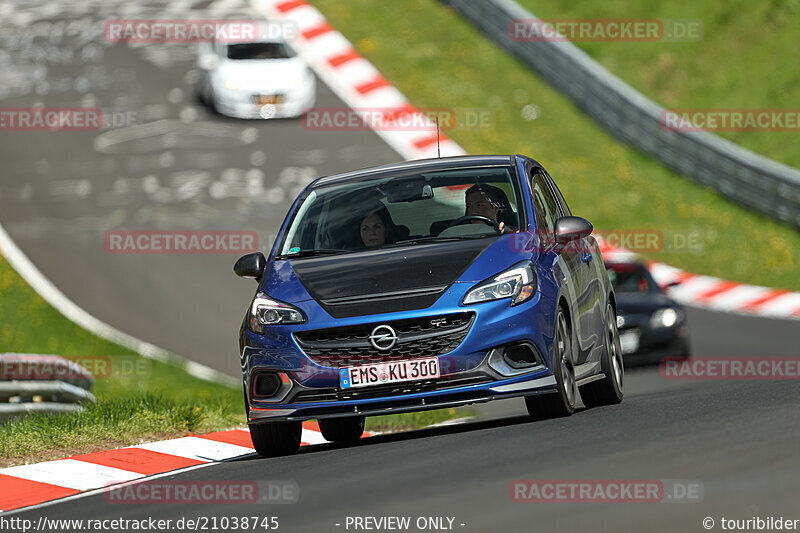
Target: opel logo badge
[{"x": 383, "y": 338}]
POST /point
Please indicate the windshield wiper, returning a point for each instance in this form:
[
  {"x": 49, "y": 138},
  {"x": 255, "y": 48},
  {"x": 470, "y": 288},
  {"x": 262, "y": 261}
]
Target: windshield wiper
[{"x": 311, "y": 252}]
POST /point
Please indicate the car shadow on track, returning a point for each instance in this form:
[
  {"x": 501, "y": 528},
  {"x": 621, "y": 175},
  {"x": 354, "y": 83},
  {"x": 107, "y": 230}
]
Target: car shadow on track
[{"x": 400, "y": 436}]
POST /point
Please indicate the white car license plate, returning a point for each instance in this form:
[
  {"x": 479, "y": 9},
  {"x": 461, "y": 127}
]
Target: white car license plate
[
  {"x": 265, "y": 99},
  {"x": 629, "y": 340},
  {"x": 394, "y": 372}
]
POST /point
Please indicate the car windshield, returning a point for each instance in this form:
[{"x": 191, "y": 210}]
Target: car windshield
[
  {"x": 259, "y": 51},
  {"x": 631, "y": 278},
  {"x": 405, "y": 209}
]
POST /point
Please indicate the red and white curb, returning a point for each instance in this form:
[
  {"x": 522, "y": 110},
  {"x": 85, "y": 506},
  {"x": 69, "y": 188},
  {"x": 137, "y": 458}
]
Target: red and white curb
[
  {"x": 354, "y": 79},
  {"x": 33, "y": 484},
  {"x": 716, "y": 293}
]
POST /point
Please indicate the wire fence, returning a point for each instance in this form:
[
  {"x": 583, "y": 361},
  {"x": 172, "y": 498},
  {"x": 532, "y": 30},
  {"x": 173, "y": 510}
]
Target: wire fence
[{"x": 756, "y": 182}]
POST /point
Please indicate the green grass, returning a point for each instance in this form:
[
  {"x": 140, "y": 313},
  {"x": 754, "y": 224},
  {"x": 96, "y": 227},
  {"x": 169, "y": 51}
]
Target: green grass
[
  {"x": 746, "y": 59},
  {"x": 438, "y": 60},
  {"x": 137, "y": 400},
  {"x": 113, "y": 422}
]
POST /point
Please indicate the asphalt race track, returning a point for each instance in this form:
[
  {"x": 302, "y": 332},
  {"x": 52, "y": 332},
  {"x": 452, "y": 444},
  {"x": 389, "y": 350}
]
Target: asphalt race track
[
  {"x": 738, "y": 440},
  {"x": 177, "y": 166}
]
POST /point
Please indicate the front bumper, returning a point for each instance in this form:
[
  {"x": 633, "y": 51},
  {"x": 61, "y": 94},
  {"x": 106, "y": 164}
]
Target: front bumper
[
  {"x": 239, "y": 105},
  {"x": 654, "y": 344},
  {"x": 466, "y": 373},
  {"x": 537, "y": 382}
]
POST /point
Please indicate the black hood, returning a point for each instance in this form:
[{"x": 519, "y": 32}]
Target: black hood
[
  {"x": 631, "y": 303},
  {"x": 386, "y": 280}
]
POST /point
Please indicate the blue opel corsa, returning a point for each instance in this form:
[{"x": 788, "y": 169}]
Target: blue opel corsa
[{"x": 422, "y": 285}]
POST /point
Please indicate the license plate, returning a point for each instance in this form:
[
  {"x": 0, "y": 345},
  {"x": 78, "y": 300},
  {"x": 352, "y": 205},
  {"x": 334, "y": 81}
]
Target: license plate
[
  {"x": 264, "y": 99},
  {"x": 629, "y": 341},
  {"x": 394, "y": 372}
]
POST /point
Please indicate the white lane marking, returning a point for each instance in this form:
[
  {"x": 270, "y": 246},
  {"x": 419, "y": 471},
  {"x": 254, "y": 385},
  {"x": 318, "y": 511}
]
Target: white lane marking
[
  {"x": 92, "y": 492},
  {"x": 312, "y": 437},
  {"x": 332, "y": 44},
  {"x": 72, "y": 474},
  {"x": 52, "y": 295},
  {"x": 664, "y": 273},
  {"x": 736, "y": 297},
  {"x": 686, "y": 291},
  {"x": 197, "y": 448},
  {"x": 781, "y": 306},
  {"x": 307, "y": 17}
]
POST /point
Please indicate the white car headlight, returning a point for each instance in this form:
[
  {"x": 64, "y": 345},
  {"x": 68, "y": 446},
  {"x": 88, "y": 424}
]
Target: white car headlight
[
  {"x": 231, "y": 84},
  {"x": 665, "y": 318},
  {"x": 268, "y": 312},
  {"x": 517, "y": 283}
]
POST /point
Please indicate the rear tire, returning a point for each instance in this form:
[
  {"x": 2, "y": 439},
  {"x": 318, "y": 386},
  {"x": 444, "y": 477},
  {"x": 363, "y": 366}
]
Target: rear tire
[
  {"x": 273, "y": 439},
  {"x": 342, "y": 429},
  {"x": 561, "y": 403},
  {"x": 609, "y": 390}
]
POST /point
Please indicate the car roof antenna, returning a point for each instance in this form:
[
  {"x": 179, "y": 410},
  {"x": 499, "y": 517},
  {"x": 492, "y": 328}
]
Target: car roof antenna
[{"x": 438, "y": 149}]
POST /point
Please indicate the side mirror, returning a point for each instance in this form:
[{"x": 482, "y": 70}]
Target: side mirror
[
  {"x": 250, "y": 265},
  {"x": 570, "y": 229}
]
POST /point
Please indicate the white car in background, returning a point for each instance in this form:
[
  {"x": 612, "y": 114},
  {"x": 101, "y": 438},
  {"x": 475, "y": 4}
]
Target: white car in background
[{"x": 259, "y": 80}]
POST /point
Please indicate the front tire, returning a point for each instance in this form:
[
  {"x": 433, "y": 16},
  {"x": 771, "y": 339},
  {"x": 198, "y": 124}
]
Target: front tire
[
  {"x": 562, "y": 403},
  {"x": 342, "y": 429},
  {"x": 609, "y": 390},
  {"x": 273, "y": 439}
]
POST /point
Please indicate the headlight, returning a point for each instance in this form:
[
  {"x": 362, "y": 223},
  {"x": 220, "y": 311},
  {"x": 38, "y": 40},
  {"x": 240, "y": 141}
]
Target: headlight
[
  {"x": 268, "y": 312},
  {"x": 231, "y": 84},
  {"x": 517, "y": 283},
  {"x": 665, "y": 318}
]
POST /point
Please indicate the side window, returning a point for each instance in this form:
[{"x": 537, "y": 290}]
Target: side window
[
  {"x": 559, "y": 197},
  {"x": 546, "y": 208}
]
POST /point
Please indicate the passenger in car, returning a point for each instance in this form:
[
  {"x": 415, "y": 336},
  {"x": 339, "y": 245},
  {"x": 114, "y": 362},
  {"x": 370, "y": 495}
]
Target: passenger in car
[
  {"x": 373, "y": 230},
  {"x": 378, "y": 228}
]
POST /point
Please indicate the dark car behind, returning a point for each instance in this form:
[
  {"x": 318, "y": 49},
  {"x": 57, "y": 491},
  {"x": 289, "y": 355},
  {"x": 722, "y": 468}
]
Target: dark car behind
[{"x": 651, "y": 324}]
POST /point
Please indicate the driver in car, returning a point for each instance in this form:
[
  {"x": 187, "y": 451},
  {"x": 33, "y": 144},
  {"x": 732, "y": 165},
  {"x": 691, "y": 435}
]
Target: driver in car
[{"x": 487, "y": 201}]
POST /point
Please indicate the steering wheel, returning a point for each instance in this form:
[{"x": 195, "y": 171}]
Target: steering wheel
[{"x": 469, "y": 218}]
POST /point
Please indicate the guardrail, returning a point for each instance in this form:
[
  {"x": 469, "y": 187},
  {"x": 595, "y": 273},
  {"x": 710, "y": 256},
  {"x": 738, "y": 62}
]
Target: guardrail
[
  {"x": 754, "y": 181},
  {"x": 42, "y": 383}
]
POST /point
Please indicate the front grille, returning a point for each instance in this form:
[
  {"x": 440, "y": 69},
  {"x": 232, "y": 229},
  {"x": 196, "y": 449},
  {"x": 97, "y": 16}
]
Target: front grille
[
  {"x": 392, "y": 389},
  {"x": 417, "y": 337}
]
